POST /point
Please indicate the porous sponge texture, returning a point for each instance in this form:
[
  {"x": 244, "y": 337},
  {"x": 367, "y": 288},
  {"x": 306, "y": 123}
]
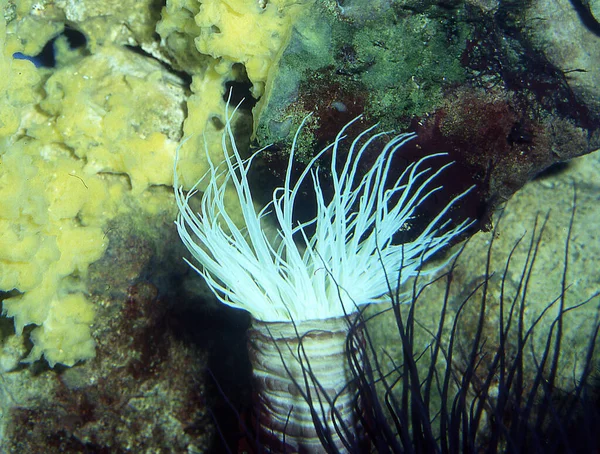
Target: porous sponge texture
[
  {"x": 111, "y": 113},
  {"x": 253, "y": 33},
  {"x": 241, "y": 31},
  {"x": 78, "y": 146},
  {"x": 49, "y": 230}
]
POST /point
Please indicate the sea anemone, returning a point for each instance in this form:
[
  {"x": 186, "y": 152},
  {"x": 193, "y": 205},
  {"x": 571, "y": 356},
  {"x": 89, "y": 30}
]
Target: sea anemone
[{"x": 303, "y": 286}]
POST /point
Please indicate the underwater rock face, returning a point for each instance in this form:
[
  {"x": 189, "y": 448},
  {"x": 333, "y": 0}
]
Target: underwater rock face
[
  {"x": 570, "y": 39},
  {"x": 90, "y": 269},
  {"x": 473, "y": 81},
  {"x": 536, "y": 282},
  {"x": 499, "y": 141}
]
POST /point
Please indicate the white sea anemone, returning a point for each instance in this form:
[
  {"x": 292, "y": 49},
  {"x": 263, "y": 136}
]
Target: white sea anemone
[
  {"x": 301, "y": 288},
  {"x": 343, "y": 263}
]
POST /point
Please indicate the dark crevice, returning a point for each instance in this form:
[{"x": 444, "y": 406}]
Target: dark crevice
[{"x": 184, "y": 76}]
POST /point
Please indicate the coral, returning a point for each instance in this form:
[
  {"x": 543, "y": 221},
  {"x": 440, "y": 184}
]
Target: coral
[
  {"x": 44, "y": 242},
  {"x": 219, "y": 42},
  {"x": 27, "y": 33},
  {"x": 19, "y": 84},
  {"x": 90, "y": 100},
  {"x": 111, "y": 22}
]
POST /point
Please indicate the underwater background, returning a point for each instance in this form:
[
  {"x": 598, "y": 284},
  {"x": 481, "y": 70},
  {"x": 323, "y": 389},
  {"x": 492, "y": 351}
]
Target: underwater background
[{"x": 111, "y": 343}]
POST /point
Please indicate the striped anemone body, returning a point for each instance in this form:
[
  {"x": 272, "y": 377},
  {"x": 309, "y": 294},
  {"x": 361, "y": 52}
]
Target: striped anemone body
[
  {"x": 307, "y": 397},
  {"x": 302, "y": 288}
]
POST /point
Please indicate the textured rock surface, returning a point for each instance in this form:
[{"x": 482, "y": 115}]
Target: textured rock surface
[{"x": 557, "y": 30}]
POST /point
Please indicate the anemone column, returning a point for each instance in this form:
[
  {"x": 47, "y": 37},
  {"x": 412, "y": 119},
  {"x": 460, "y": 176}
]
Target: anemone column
[{"x": 306, "y": 393}]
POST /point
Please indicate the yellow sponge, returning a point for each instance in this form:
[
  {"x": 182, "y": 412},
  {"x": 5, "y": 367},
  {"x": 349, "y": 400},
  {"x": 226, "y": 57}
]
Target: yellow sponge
[
  {"x": 42, "y": 242},
  {"x": 64, "y": 151},
  {"x": 65, "y": 335}
]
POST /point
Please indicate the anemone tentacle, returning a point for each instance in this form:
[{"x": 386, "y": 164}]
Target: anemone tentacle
[{"x": 299, "y": 277}]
